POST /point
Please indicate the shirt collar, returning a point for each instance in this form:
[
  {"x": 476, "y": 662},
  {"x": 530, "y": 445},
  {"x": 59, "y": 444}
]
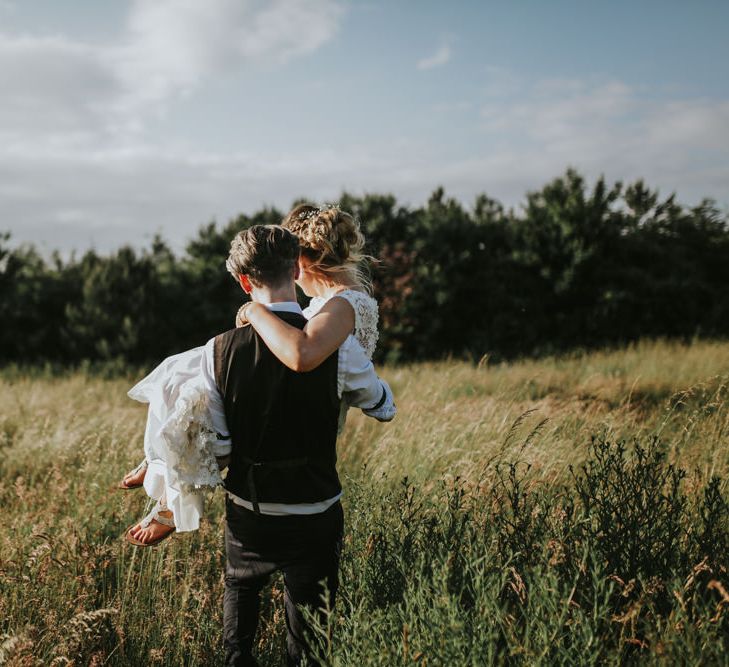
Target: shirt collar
[{"x": 284, "y": 307}]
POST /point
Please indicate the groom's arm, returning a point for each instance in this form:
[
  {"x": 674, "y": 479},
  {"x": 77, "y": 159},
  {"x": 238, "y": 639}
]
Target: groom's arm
[
  {"x": 216, "y": 408},
  {"x": 359, "y": 384}
]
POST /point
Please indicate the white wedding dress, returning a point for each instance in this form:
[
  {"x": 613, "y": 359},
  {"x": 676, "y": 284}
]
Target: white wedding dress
[{"x": 179, "y": 437}]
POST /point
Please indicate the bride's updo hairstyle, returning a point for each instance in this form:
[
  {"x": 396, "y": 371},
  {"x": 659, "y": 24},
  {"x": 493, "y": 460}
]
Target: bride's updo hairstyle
[{"x": 332, "y": 242}]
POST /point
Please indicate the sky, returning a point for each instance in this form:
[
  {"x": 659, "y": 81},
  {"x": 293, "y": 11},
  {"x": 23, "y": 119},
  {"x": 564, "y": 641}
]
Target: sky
[{"x": 120, "y": 120}]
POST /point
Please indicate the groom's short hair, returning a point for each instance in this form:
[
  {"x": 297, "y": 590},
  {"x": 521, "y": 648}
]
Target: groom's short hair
[{"x": 266, "y": 254}]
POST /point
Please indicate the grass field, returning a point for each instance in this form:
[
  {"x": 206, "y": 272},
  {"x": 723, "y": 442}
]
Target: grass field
[{"x": 569, "y": 510}]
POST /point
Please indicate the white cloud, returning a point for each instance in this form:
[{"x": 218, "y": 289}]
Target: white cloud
[
  {"x": 602, "y": 122},
  {"x": 172, "y": 45},
  {"x": 440, "y": 57},
  {"x": 111, "y": 197},
  {"x": 76, "y": 163},
  {"x": 121, "y": 194},
  {"x": 65, "y": 90},
  {"x": 53, "y": 88},
  {"x": 611, "y": 128}
]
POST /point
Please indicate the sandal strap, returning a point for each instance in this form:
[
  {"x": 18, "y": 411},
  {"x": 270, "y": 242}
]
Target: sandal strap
[
  {"x": 142, "y": 466},
  {"x": 154, "y": 515}
]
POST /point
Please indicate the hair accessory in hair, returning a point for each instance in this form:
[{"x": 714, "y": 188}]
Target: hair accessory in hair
[{"x": 311, "y": 213}]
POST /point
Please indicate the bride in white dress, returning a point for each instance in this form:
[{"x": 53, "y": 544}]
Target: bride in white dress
[{"x": 180, "y": 464}]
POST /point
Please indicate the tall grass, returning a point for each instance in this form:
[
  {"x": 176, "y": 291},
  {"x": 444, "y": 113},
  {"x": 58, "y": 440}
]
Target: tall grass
[{"x": 571, "y": 510}]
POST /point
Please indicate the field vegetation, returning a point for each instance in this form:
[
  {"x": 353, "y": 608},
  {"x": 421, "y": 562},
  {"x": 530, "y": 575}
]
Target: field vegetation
[{"x": 564, "y": 511}]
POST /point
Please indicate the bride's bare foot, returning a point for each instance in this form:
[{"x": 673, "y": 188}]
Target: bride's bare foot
[
  {"x": 151, "y": 531},
  {"x": 135, "y": 478}
]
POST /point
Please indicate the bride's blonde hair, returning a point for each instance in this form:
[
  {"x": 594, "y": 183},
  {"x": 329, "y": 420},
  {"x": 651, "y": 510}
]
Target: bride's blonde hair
[{"x": 332, "y": 241}]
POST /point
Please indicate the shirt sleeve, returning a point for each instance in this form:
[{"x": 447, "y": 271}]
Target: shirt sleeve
[
  {"x": 223, "y": 445},
  {"x": 359, "y": 384}
]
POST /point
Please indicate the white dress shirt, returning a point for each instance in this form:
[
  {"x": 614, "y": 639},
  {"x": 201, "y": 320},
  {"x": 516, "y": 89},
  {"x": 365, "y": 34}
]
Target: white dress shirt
[{"x": 357, "y": 385}]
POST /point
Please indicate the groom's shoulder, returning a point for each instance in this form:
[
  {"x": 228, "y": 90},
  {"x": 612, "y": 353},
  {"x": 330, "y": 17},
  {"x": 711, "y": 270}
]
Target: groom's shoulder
[
  {"x": 227, "y": 345},
  {"x": 234, "y": 337}
]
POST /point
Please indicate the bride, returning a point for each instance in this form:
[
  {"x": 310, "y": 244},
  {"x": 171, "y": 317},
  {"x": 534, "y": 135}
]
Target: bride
[{"x": 183, "y": 450}]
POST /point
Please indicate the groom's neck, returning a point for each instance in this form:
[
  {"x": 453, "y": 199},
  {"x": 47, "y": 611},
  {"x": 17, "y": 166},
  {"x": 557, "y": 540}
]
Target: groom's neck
[{"x": 266, "y": 294}]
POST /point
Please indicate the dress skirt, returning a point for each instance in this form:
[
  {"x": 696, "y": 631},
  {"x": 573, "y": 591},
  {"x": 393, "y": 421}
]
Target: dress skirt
[{"x": 179, "y": 437}]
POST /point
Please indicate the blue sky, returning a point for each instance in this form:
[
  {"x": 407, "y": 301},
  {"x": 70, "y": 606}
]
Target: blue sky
[{"x": 122, "y": 119}]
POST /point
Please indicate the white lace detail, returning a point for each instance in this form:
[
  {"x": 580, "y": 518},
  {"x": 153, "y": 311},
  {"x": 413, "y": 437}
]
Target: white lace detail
[
  {"x": 191, "y": 437},
  {"x": 366, "y": 316}
]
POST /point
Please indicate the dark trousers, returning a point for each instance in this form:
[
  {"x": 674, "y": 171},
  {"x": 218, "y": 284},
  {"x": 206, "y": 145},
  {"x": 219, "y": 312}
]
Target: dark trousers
[{"x": 305, "y": 548}]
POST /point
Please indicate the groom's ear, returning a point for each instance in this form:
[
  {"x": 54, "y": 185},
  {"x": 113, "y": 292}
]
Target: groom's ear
[
  {"x": 297, "y": 270},
  {"x": 245, "y": 283}
]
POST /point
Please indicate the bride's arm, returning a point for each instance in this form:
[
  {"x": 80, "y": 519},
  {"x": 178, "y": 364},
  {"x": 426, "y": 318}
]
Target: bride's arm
[{"x": 304, "y": 349}]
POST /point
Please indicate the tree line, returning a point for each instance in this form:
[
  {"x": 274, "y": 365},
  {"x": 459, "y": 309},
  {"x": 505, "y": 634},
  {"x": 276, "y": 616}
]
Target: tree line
[{"x": 574, "y": 266}]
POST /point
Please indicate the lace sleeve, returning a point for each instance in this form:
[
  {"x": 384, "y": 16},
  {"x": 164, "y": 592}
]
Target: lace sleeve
[{"x": 366, "y": 315}]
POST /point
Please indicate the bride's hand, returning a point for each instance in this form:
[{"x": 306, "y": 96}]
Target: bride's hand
[{"x": 240, "y": 319}]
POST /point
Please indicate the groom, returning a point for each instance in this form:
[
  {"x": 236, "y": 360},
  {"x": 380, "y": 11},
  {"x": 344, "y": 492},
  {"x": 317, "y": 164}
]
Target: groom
[{"x": 280, "y": 430}]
